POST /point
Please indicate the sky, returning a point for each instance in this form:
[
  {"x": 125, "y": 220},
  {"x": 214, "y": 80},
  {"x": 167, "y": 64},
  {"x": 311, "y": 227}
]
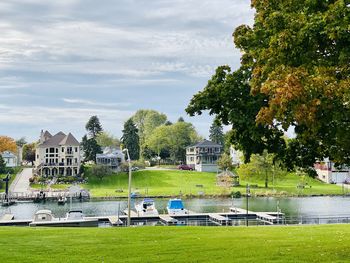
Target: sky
[{"x": 64, "y": 61}]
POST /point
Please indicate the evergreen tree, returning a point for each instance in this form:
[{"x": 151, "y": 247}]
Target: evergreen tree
[
  {"x": 130, "y": 139},
  {"x": 90, "y": 148},
  {"x": 2, "y": 165},
  {"x": 181, "y": 120},
  {"x": 93, "y": 126},
  {"x": 216, "y": 133}
]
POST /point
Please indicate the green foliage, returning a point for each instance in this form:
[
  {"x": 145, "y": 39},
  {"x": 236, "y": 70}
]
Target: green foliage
[
  {"x": 130, "y": 139},
  {"x": 100, "y": 171},
  {"x": 225, "y": 162},
  {"x": 21, "y": 142},
  {"x": 216, "y": 133},
  {"x": 261, "y": 167},
  {"x": 29, "y": 152},
  {"x": 2, "y": 165},
  {"x": 104, "y": 139},
  {"x": 90, "y": 148},
  {"x": 93, "y": 126},
  {"x": 146, "y": 121},
  {"x": 294, "y": 73},
  {"x": 174, "y": 138}
]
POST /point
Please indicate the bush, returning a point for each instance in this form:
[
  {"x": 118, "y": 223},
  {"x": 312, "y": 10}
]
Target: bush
[
  {"x": 236, "y": 194},
  {"x": 138, "y": 164},
  {"x": 100, "y": 171}
]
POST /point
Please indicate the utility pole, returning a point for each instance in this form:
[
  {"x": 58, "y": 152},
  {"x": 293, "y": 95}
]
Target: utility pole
[
  {"x": 247, "y": 204},
  {"x": 129, "y": 186}
]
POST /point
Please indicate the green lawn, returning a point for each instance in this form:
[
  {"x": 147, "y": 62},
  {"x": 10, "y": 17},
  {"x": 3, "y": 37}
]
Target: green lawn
[
  {"x": 171, "y": 183},
  {"x": 16, "y": 170},
  {"x": 324, "y": 243}
]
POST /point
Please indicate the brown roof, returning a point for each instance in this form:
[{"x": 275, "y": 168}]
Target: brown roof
[
  {"x": 60, "y": 139},
  {"x": 69, "y": 140}
]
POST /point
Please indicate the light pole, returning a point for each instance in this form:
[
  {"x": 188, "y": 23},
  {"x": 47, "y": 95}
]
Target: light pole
[
  {"x": 129, "y": 187},
  {"x": 247, "y": 204}
]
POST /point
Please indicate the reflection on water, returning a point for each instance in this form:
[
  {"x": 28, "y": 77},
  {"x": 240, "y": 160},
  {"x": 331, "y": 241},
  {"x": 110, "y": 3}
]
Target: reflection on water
[{"x": 292, "y": 207}]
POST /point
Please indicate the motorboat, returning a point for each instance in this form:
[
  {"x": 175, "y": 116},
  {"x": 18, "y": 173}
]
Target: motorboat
[
  {"x": 62, "y": 200},
  {"x": 74, "y": 218},
  {"x": 146, "y": 208},
  {"x": 176, "y": 207}
]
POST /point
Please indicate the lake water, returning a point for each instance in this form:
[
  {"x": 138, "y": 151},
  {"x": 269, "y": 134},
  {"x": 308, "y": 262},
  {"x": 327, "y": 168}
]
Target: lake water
[{"x": 292, "y": 207}]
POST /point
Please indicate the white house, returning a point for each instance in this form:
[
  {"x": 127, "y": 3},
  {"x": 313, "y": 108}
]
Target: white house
[
  {"x": 57, "y": 155},
  {"x": 111, "y": 157},
  {"x": 329, "y": 173},
  {"x": 10, "y": 159},
  {"x": 203, "y": 156}
]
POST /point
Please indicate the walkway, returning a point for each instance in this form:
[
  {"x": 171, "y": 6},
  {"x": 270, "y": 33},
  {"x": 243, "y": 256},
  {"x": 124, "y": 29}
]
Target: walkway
[{"x": 21, "y": 182}]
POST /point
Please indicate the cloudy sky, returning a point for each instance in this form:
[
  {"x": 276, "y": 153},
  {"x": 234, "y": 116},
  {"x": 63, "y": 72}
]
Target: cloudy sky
[{"x": 63, "y": 61}]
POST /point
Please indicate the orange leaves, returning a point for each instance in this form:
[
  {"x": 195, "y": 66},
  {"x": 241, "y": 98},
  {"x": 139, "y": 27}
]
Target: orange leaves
[{"x": 7, "y": 144}]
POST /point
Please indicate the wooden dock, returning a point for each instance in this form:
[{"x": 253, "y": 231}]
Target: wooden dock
[{"x": 266, "y": 217}]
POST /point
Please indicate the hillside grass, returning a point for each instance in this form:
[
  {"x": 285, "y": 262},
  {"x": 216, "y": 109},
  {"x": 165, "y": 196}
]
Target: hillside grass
[
  {"x": 190, "y": 183},
  {"x": 322, "y": 243}
]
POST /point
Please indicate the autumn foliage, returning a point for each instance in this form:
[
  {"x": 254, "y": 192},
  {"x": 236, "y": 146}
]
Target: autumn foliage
[{"x": 7, "y": 144}]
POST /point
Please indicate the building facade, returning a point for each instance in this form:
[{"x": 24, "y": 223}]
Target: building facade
[
  {"x": 329, "y": 173},
  {"x": 10, "y": 159},
  {"x": 57, "y": 155},
  {"x": 203, "y": 156},
  {"x": 111, "y": 157}
]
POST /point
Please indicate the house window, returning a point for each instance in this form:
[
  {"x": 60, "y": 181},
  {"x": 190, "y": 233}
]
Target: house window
[
  {"x": 76, "y": 149},
  {"x": 47, "y": 150},
  {"x": 62, "y": 149}
]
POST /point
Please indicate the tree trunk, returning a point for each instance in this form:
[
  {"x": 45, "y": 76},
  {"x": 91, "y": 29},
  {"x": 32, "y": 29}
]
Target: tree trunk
[{"x": 266, "y": 180}]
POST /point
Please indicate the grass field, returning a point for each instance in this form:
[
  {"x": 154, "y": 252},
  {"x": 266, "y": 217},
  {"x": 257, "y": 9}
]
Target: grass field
[
  {"x": 172, "y": 183},
  {"x": 323, "y": 243},
  {"x": 16, "y": 170}
]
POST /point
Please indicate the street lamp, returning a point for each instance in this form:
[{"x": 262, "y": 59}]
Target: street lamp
[
  {"x": 129, "y": 187},
  {"x": 247, "y": 204}
]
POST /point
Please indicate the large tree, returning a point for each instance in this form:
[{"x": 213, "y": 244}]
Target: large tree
[
  {"x": 104, "y": 139},
  {"x": 90, "y": 148},
  {"x": 130, "y": 139},
  {"x": 2, "y": 166},
  {"x": 7, "y": 144},
  {"x": 294, "y": 73},
  {"x": 216, "y": 133},
  {"x": 93, "y": 126},
  {"x": 146, "y": 121},
  {"x": 173, "y": 138},
  {"x": 29, "y": 152}
]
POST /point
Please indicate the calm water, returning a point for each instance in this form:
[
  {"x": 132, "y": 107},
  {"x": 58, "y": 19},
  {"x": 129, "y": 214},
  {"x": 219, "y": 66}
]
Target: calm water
[{"x": 292, "y": 207}]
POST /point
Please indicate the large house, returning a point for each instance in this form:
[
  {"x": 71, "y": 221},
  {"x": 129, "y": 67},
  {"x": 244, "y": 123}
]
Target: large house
[
  {"x": 203, "y": 156},
  {"x": 10, "y": 159},
  {"x": 111, "y": 157},
  {"x": 57, "y": 155},
  {"x": 329, "y": 173}
]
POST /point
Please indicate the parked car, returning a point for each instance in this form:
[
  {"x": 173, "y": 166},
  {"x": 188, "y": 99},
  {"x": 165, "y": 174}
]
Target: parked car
[{"x": 184, "y": 167}]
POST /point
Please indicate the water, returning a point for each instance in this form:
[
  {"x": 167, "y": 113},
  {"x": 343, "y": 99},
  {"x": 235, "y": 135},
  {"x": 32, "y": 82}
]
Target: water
[{"x": 292, "y": 207}]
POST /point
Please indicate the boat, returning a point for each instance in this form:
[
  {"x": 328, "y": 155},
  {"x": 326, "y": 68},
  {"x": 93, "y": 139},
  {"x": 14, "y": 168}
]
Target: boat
[
  {"x": 176, "y": 207},
  {"x": 62, "y": 200},
  {"x": 74, "y": 218},
  {"x": 146, "y": 208}
]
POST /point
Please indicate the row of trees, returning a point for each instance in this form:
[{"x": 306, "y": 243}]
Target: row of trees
[
  {"x": 149, "y": 134},
  {"x": 9, "y": 144}
]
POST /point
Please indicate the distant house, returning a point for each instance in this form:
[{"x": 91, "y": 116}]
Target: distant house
[
  {"x": 329, "y": 173},
  {"x": 57, "y": 155},
  {"x": 10, "y": 159},
  {"x": 235, "y": 156},
  {"x": 111, "y": 157},
  {"x": 203, "y": 156}
]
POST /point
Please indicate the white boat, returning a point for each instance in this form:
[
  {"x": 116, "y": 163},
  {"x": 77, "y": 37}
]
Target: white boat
[
  {"x": 62, "y": 200},
  {"x": 73, "y": 218},
  {"x": 176, "y": 207},
  {"x": 146, "y": 208}
]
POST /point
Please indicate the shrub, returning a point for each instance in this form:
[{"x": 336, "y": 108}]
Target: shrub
[
  {"x": 236, "y": 194},
  {"x": 100, "y": 171}
]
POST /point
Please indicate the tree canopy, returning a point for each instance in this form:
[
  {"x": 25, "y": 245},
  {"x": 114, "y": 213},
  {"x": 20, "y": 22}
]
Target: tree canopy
[
  {"x": 29, "y": 152},
  {"x": 130, "y": 139},
  {"x": 216, "y": 133},
  {"x": 7, "y": 144},
  {"x": 146, "y": 121},
  {"x": 104, "y": 139},
  {"x": 294, "y": 72},
  {"x": 93, "y": 126}
]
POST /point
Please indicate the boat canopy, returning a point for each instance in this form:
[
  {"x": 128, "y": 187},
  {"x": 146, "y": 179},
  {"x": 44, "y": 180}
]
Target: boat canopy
[
  {"x": 148, "y": 200},
  {"x": 175, "y": 204}
]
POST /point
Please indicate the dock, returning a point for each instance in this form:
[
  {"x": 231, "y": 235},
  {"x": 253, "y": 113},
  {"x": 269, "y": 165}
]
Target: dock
[
  {"x": 266, "y": 217},
  {"x": 219, "y": 219},
  {"x": 168, "y": 220},
  {"x": 7, "y": 217}
]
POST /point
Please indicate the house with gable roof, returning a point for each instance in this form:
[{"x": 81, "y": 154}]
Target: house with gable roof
[{"x": 57, "y": 155}]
